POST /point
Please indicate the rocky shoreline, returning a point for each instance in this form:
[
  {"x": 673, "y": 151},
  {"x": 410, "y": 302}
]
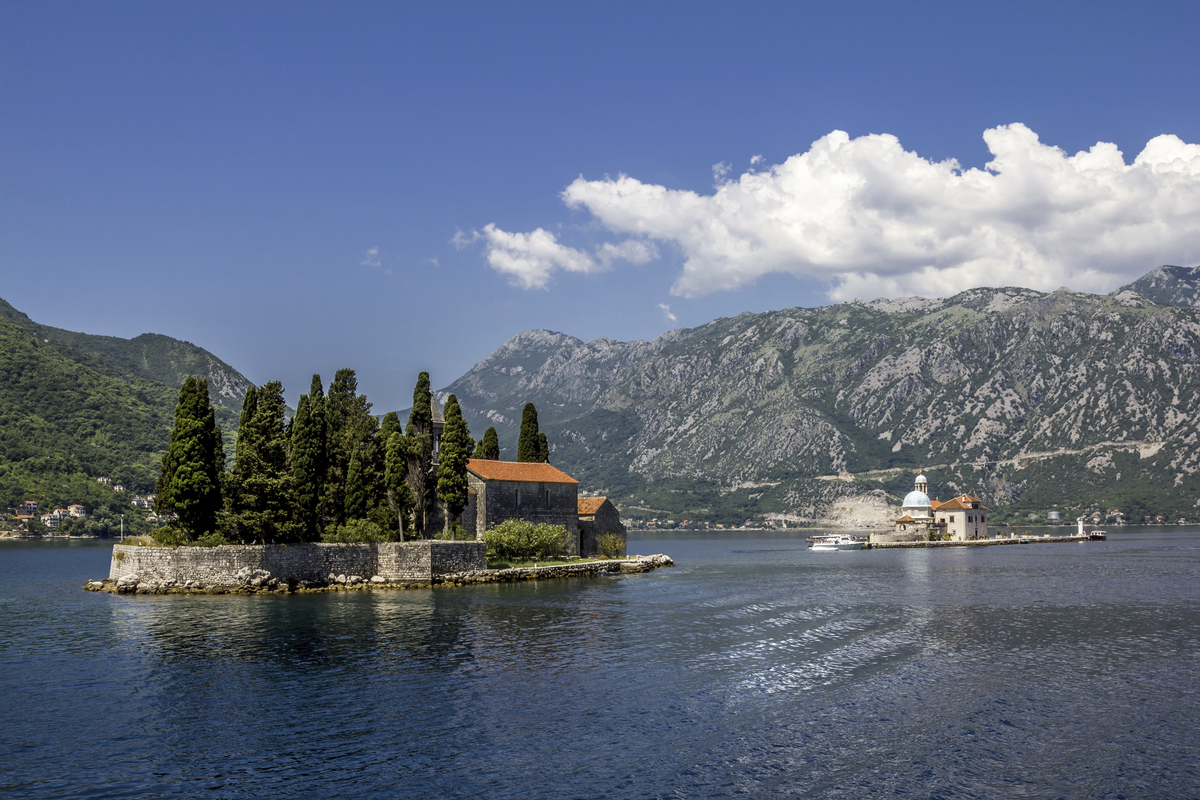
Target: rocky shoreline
[{"x": 248, "y": 581}]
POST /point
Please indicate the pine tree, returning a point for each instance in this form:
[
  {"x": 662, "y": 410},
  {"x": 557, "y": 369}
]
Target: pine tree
[
  {"x": 399, "y": 496},
  {"x": 527, "y": 443},
  {"x": 261, "y": 499},
  {"x": 489, "y": 446},
  {"x": 543, "y": 448},
  {"x": 452, "y": 461},
  {"x": 421, "y": 469},
  {"x": 190, "y": 483}
]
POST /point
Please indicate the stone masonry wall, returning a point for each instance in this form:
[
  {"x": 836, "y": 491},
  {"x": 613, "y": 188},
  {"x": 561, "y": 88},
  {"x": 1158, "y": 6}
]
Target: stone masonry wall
[
  {"x": 551, "y": 503},
  {"x": 395, "y": 562},
  {"x": 606, "y": 520}
]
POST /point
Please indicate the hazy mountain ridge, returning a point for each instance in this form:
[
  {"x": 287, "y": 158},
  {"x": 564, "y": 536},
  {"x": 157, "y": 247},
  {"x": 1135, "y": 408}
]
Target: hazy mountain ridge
[
  {"x": 1048, "y": 392},
  {"x": 151, "y": 356},
  {"x": 1168, "y": 285}
]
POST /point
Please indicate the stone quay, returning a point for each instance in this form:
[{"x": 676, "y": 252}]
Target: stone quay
[{"x": 261, "y": 569}]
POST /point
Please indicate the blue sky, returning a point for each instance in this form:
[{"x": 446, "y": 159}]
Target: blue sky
[{"x": 299, "y": 187}]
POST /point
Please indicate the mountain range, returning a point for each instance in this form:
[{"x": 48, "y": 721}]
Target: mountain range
[
  {"x": 1031, "y": 401},
  {"x": 1028, "y": 400}
]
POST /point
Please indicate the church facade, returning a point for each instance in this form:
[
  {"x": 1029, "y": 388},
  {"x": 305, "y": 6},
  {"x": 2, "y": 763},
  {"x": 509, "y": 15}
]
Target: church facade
[{"x": 959, "y": 519}]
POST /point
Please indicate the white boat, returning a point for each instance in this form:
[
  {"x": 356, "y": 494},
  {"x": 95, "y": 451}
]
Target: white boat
[{"x": 838, "y": 542}]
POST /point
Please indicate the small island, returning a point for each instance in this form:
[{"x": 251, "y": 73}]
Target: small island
[{"x": 336, "y": 499}]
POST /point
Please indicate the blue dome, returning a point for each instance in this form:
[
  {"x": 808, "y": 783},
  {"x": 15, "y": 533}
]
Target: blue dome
[{"x": 916, "y": 500}]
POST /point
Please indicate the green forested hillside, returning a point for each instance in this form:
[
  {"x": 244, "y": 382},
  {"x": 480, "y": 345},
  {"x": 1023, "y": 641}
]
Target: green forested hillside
[
  {"x": 62, "y": 423},
  {"x": 75, "y": 407},
  {"x": 151, "y": 356}
]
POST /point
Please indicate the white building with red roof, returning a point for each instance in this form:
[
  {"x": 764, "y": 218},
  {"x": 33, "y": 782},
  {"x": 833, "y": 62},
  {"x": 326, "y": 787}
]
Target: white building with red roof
[{"x": 921, "y": 519}]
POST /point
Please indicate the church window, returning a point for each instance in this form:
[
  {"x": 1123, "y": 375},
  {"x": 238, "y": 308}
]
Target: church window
[
  {"x": 952, "y": 518},
  {"x": 518, "y": 498},
  {"x": 983, "y": 518}
]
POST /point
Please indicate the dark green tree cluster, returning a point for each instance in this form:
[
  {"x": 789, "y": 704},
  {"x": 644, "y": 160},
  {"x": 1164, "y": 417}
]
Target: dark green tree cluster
[
  {"x": 489, "y": 446},
  {"x": 335, "y": 472},
  {"x": 532, "y": 445}
]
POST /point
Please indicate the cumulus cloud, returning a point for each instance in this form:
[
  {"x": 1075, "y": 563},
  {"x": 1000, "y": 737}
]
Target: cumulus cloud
[
  {"x": 634, "y": 251},
  {"x": 875, "y": 219},
  {"x": 530, "y": 259},
  {"x": 666, "y": 309},
  {"x": 372, "y": 259}
]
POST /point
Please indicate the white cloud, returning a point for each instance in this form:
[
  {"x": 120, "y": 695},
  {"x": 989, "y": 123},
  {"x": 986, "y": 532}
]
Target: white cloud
[
  {"x": 529, "y": 258},
  {"x": 372, "y": 259},
  {"x": 756, "y": 160},
  {"x": 634, "y": 251},
  {"x": 666, "y": 309},
  {"x": 720, "y": 170},
  {"x": 875, "y": 219}
]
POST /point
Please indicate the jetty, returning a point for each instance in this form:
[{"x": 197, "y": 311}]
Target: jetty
[{"x": 976, "y": 542}]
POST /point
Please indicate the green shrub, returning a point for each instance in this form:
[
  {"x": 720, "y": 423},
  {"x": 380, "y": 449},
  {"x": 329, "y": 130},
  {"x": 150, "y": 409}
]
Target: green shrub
[
  {"x": 457, "y": 533},
  {"x": 521, "y": 540},
  {"x": 212, "y": 540},
  {"x": 169, "y": 536},
  {"x": 610, "y": 545},
  {"x": 356, "y": 531}
]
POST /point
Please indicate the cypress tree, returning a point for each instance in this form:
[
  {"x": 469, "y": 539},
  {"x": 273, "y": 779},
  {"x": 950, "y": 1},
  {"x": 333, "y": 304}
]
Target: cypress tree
[
  {"x": 190, "y": 482},
  {"x": 527, "y": 443},
  {"x": 489, "y": 446},
  {"x": 452, "y": 461},
  {"x": 261, "y": 502},
  {"x": 356, "y": 489},
  {"x": 543, "y": 448},
  {"x": 421, "y": 469},
  {"x": 388, "y": 425},
  {"x": 249, "y": 403},
  {"x": 349, "y": 426},
  {"x": 399, "y": 496},
  {"x": 307, "y": 462}
]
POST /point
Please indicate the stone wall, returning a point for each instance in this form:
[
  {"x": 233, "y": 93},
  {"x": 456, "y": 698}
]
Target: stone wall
[
  {"x": 606, "y": 520},
  {"x": 495, "y": 501},
  {"x": 423, "y": 561}
]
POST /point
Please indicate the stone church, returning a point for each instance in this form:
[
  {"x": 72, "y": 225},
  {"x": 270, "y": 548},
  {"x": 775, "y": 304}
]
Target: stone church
[{"x": 921, "y": 519}]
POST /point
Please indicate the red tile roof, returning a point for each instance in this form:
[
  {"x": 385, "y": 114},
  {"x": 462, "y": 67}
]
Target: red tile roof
[
  {"x": 517, "y": 471},
  {"x": 588, "y": 506},
  {"x": 906, "y": 518},
  {"x": 963, "y": 501}
]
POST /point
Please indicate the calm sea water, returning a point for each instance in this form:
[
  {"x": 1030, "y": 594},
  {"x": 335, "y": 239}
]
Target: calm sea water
[{"x": 755, "y": 668}]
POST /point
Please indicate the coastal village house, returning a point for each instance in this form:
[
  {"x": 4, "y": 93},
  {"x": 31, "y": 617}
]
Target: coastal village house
[{"x": 958, "y": 519}]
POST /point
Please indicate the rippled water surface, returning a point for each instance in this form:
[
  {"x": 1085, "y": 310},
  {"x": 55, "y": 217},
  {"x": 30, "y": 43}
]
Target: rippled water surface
[{"x": 754, "y": 668}]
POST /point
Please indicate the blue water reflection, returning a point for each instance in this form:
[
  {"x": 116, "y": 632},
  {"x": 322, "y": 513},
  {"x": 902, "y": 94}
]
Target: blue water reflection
[{"x": 754, "y": 668}]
